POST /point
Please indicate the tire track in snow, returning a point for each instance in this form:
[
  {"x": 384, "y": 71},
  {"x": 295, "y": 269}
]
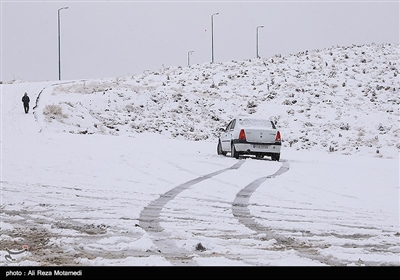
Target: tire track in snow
[
  {"x": 150, "y": 219},
  {"x": 241, "y": 211}
]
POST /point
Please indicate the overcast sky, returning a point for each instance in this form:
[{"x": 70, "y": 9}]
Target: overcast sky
[{"x": 101, "y": 39}]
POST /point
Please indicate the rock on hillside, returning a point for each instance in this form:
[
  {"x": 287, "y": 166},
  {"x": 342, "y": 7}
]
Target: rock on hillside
[{"x": 339, "y": 99}]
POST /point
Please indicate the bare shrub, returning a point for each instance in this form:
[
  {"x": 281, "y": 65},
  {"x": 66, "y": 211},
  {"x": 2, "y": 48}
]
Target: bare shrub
[
  {"x": 344, "y": 126},
  {"x": 129, "y": 108},
  {"x": 53, "y": 111},
  {"x": 200, "y": 247}
]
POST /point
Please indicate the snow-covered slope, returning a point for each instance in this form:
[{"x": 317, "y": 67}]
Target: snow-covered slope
[
  {"x": 132, "y": 197},
  {"x": 340, "y": 99}
]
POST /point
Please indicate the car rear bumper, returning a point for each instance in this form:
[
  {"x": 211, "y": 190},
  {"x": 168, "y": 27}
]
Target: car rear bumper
[{"x": 257, "y": 148}]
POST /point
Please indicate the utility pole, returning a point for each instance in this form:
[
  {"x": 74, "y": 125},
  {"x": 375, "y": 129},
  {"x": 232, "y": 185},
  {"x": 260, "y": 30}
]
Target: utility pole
[
  {"x": 261, "y": 26},
  {"x": 212, "y": 37},
  {"x": 59, "y": 52},
  {"x": 189, "y": 52}
]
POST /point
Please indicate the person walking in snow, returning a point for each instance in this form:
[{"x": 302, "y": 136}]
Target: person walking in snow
[{"x": 25, "y": 100}]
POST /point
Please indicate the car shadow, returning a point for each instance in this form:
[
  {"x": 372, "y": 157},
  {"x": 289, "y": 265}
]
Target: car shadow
[{"x": 265, "y": 158}]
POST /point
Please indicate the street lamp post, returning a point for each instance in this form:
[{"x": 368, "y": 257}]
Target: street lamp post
[
  {"x": 212, "y": 37},
  {"x": 189, "y": 52},
  {"x": 59, "y": 53},
  {"x": 257, "y": 40}
]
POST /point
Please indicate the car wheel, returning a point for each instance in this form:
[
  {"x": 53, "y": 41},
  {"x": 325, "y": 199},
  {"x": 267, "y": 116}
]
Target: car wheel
[
  {"x": 234, "y": 153},
  {"x": 276, "y": 157},
  {"x": 219, "y": 149},
  {"x": 259, "y": 156}
]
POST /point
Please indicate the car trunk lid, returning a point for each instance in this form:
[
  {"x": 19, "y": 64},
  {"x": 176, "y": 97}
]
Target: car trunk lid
[
  {"x": 260, "y": 135},
  {"x": 260, "y": 131}
]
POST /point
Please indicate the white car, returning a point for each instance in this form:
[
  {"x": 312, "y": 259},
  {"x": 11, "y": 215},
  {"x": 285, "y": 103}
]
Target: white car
[{"x": 250, "y": 136}]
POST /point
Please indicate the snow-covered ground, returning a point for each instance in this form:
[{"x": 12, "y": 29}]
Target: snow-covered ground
[{"x": 124, "y": 171}]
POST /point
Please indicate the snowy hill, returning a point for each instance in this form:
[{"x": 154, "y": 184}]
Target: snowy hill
[
  {"x": 141, "y": 191},
  {"x": 341, "y": 99}
]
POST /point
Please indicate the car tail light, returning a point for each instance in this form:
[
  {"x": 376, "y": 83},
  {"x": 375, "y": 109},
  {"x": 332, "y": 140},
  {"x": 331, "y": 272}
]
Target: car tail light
[
  {"x": 242, "y": 135},
  {"x": 278, "y": 137}
]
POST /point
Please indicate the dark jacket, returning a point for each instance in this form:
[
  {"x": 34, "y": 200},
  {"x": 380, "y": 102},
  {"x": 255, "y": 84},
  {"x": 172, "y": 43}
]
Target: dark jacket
[{"x": 25, "y": 99}]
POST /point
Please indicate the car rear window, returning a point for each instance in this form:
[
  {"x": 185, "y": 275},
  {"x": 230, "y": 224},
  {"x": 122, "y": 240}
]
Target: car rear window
[{"x": 256, "y": 123}]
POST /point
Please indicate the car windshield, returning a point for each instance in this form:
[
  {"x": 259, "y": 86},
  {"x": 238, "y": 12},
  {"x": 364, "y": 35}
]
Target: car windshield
[{"x": 256, "y": 123}]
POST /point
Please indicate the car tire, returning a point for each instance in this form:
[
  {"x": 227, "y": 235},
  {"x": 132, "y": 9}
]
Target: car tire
[
  {"x": 276, "y": 157},
  {"x": 234, "y": 153},
  {"x": 219, "y": 149}
]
